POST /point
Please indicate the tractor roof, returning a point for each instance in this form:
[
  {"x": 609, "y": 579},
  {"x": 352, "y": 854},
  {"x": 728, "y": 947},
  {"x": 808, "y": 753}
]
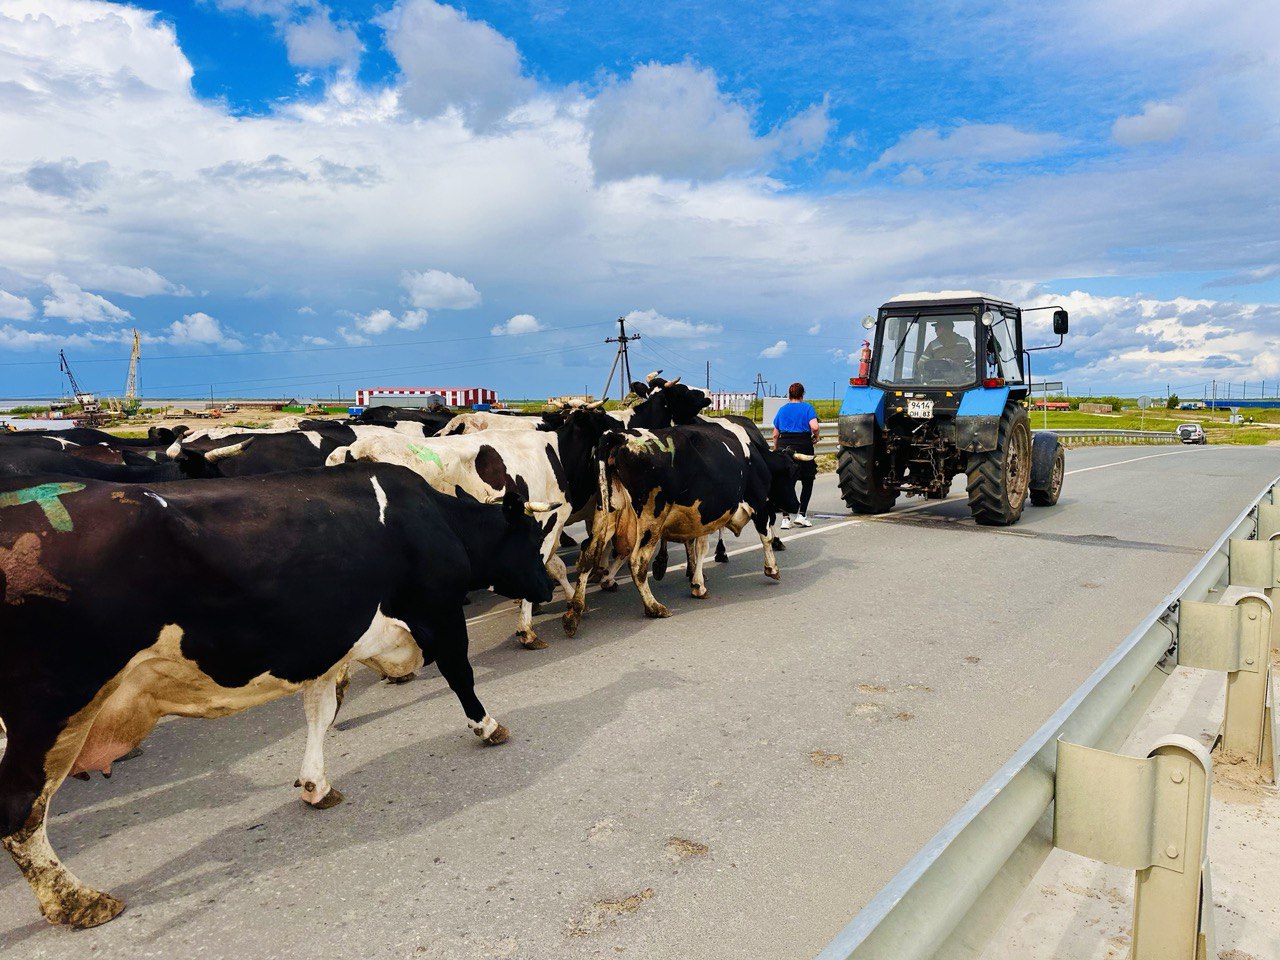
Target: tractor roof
[{"x": 943, "y": 298}]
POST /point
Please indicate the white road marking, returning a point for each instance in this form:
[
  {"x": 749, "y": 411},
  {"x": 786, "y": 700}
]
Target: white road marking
[{"x": 1118, "y": 463}]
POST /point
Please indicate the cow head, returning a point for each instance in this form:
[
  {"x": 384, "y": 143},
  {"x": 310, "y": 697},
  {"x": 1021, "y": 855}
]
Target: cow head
[
  {"x": 784, "y": 471},
  {"x": 516, "y": 562},
  {"x": 669, "y": 403},
  {"x": 203, "y": 464}
]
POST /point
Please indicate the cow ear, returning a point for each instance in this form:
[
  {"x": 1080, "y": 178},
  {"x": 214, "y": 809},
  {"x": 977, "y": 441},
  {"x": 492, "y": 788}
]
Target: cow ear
[
  {"x": 462, "y": 495},
  {"x": 639, "y": 389}
]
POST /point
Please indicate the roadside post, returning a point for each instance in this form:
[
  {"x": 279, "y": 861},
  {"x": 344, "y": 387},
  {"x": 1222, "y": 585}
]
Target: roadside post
[
  {"x": 1149, "y": 815},
  {"x": 1143, "y": 402}
]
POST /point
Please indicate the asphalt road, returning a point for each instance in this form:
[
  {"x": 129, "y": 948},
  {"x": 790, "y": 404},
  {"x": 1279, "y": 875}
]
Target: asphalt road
[{"x": 733, "y": 782}]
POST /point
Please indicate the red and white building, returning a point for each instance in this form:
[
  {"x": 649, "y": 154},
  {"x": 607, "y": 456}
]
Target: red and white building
[{"x": 417, "y": 396}]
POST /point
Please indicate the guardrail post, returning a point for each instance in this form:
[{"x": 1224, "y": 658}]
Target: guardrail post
[
  {"x": 1149, "y": 815},
  {"x": 1269, "y": 517},
  {"x": 1255, "y": 564},
  {"x": 1236, "y": 639}
]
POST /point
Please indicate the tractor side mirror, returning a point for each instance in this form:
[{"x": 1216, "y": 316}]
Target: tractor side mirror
[{"x": 1060, "y": 322}]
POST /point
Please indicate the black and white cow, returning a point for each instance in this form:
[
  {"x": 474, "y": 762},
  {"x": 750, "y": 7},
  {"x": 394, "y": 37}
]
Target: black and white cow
[
  {"x": 681, "y": 484},
  {"x": 556, "y": 468},
  {"x": 230, "y": 618}
]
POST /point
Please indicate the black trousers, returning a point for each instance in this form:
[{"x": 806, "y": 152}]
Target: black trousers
[{"x": 802, "y": 443}]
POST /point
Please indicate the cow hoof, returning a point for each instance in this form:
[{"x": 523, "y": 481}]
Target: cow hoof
[
  {"x": 657, "y": 612},
  {"x": 403, "y": 679},
  {"x": 84, "y": 908},
  {"x": 531, "y": 641},
  {"x": 778, "y": 544},
  {"x": 609, "y": 586},
  {"x": 500, "y": 735},
  {"x": 570, "y": 622},
  {"x": 773, "y": 574},
  {"x": 330, "y": 799},
  {"x": 700, "y": 596}
]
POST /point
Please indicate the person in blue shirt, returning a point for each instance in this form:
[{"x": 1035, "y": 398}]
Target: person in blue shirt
[{"x": 796, "y": 426}]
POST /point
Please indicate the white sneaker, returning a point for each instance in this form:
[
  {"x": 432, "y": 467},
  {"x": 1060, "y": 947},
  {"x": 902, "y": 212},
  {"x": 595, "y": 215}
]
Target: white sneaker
[
  {"x": 803, "y": 521},
  {"x": 785, "y": 524}
]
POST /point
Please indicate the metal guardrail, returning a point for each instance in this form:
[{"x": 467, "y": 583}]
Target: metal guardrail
[
  {"x": 830, "y": 442},
  {"x": 949, "y": 899}
]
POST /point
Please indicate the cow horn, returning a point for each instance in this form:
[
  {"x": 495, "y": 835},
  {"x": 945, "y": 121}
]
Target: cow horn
[
  {"x": 650, "y": 377},
  {"x": 234, "y": 450},
  {"x": 804, "y": 457},
  {"x": 595, "y": 406},
  {"x": 540, "y": 506},
  {"x": 174, "y": 450},
  {"x": 672, "y": 383}
]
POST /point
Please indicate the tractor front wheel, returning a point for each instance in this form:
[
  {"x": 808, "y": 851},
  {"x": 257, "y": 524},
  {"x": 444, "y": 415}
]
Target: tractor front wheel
[
  {"x": 1048, "y": 466},
  {"x": 862, "y": 485},
  {"x": 998, "y": 479}
]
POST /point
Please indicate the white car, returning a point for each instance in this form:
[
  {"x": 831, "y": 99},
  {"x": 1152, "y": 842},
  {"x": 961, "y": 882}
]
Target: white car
[{"x": 1191, "y": 433}]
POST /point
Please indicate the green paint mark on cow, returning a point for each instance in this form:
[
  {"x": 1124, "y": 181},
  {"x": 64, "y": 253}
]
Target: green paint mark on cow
[
  {"x": 642, "y": 445},
  {"x": 425, "y": 454},
  {"x": 46, "y": 495}
]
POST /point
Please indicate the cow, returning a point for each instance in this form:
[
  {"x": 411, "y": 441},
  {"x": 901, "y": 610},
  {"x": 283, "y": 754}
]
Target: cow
[
  {"x": 21, "y": 461},
  {"x": 83, "y": 436},
  {"x": 230, "y": 618},
  {"x": 681, "y": 484},
  {"x": 432, "y": 420},
  {"x": 481, "y": 420},
  {"x": 557, "y": 466}
]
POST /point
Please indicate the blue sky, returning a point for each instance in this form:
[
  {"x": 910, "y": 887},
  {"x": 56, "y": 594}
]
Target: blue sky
[{"x": 288, "y": 197}]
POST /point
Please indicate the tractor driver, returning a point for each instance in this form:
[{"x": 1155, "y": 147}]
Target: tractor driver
[{"x": 948, "y": 356}]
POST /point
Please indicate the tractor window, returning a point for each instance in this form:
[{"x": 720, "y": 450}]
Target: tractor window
[
  {"x": 927, "y": 351},
  {"x": 1002, "y": 350}
]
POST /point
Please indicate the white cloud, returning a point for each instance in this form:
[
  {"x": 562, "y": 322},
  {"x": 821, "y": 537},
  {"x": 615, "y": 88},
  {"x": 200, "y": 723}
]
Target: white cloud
[
  {"x": 437, "y": 290},
  {"x": 520, "y": 323},
  {"x": 305, "y": 311},
  {"x": 18, "y": 338},
  {"x": 317, "y": 341},
  {"x": 775, "y": 351},
  {"x": 966, "y": 147},
  {"x": 200, "y": 329},
  {"x": 1157, "y": 123},
  {"x": 377, "y": 322},
  {"x": 674, "y": 121},
  {"x": 317, "y": 41},
  {"x": 651, "y": 321},
  {"x": 448, "y": 60},
  {"x": 131, "y": 281},
  {"x": 13, "y": 307},
  {"x": 1246, "y": 277},
  {"x": 68, "y": 300},
  {"x": 815, "y": 328}
]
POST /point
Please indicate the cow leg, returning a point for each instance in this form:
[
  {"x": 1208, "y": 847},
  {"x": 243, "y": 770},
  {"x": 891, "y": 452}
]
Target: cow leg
[
  {"x": 590, "y": 559},
  {"x": 640, "y": 557},
  {"x": 609, "y": 583},
  {"x": 765, "y": 529},
  {"x": 697, "y": 553},
  {"x": 320, "y": 701},
  {"x": 449, "y": 632},
  {"x": 30, "y": 774}
]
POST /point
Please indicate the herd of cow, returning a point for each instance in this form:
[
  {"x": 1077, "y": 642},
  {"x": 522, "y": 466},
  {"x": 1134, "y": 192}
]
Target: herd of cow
[{"x": 200, "y": 574}]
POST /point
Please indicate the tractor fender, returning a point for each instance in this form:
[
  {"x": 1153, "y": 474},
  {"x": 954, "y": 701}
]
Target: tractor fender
[
  {"x": 978, "y": 419},
  {"x": 860, "y": 413}
]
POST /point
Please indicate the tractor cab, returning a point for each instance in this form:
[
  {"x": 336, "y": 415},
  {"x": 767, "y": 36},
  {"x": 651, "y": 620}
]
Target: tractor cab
[{"x": 942, "y": 380}]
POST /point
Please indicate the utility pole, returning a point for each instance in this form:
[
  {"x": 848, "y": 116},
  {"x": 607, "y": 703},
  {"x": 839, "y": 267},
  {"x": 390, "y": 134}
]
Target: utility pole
[
  {"x": 621, "y": 360},
  {"x": 708, "y": 378}
]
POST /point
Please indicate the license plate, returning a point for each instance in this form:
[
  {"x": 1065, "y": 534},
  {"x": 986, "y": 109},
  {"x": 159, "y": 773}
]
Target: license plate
[{"x": 920, "y": 409}]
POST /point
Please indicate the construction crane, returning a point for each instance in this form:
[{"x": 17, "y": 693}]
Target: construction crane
[
  {"x": 89, "y": 406},
  {"x": 130, "y": 404}
]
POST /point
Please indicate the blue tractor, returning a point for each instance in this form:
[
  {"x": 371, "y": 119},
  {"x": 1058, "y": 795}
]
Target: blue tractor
[{"x": 942, "y": 390}]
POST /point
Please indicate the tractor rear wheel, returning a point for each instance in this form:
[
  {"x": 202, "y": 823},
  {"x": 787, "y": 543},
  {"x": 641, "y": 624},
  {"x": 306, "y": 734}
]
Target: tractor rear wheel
[
  {"x": 999, "y": 479},
  {"x": 1048, "y": 466},
  {"x": 862, "y": 485}
]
